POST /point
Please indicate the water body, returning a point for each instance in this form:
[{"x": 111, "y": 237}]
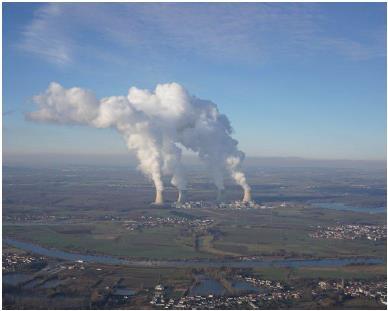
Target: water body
[
  {"x": 207, "y": 285},
  {"x": 15, "y": 278},
  {"x": 244, "y": 287},
  {"x": 200, "y": 263},
  {"x": 124, "y": 292},
  {"x": 343, "y": 207},
  {"x": 51, "y": 283},
  {"x": 32, "y": 284}
]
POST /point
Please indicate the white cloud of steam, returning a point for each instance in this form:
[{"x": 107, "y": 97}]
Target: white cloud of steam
[
  {"x": 59, "y": 105},
  {"x": 155, "y": 125}
]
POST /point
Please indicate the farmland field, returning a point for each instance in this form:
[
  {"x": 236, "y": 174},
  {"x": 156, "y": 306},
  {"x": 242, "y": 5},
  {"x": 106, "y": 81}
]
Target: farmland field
[{"x": 280, "y": 233}]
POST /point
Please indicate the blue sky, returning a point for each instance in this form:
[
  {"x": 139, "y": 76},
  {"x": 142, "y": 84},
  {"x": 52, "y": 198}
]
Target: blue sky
[{"x": 306, "y": 80}]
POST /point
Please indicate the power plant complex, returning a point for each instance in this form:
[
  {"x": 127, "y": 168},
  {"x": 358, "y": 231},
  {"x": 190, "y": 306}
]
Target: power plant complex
[{"x": 182, "y": 197}]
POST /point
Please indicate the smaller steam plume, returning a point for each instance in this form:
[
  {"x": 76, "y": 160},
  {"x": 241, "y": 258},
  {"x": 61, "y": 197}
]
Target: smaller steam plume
[
  {"x": 220, "y": 195},
  {"x": 155, "y": 125},
  {"x": 181, "y": 196}
]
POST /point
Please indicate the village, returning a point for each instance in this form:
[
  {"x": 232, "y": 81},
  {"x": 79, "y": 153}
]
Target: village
[
  {"x": 271, "y": 292},
  {"x": 249, "y": 301},
  {"x": 351, "y": 232},
  {"x": 41, "y": 218}
]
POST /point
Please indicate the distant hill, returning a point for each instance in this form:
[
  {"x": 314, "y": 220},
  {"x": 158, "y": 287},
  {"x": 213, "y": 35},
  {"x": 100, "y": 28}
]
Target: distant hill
[{"x": 301, "y": 162}]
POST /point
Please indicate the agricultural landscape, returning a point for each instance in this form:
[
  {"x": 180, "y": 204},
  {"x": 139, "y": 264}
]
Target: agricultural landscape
[{"x": 207, "y": 251}]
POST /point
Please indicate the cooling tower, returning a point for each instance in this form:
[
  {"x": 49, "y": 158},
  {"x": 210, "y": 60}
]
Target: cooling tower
[
  {"x": 220, "y": 195},
  {"x": 181, "y": 196},
  {"x": 159, "y": 197},
  {"x": 247, "y": 196}
]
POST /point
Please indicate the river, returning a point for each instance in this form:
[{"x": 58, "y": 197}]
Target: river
[
  {"x": 343, "y": 207},
  {"x": 198, "y": 263}
]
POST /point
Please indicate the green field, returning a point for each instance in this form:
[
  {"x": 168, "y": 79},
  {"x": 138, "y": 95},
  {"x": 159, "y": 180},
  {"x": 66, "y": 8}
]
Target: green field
[
  {"x": 108, "y": 238},
  {"x": 290, "y": 242},
  {"x": 346, "y": 272}
]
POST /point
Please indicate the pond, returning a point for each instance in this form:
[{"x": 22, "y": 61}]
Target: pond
[
  {"x": 123, "y": 292},
  {"x": 206, "y": 286},
  {"x": 244, "y": 287},
  {"x": 15, "y": 278}
]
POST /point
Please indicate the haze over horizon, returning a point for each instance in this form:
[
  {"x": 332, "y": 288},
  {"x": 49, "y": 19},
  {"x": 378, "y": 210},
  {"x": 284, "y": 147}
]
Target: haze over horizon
[
  {"x": 129, "y": 159},
  {"x": 296, "y": 80}
]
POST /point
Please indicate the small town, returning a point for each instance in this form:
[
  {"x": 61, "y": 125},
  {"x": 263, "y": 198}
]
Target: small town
[
  {"x": 351, "y": 232},
  {"x": 374, "y": 290}
]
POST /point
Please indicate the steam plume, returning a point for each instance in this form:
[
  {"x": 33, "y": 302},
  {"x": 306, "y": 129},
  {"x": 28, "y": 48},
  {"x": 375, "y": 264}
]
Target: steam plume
[{"x": 156, "y": 125}]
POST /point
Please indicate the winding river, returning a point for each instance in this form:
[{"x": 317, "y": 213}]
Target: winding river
[{"x": 200, "y": 263}]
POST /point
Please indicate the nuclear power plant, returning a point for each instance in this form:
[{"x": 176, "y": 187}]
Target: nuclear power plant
[
  {"x": 158, "y": 126},
  {"x": 182, "y": 197}
]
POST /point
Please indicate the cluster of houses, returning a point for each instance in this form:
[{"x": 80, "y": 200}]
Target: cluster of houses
[
  {"x": 13, "y": 261},
  {"x": 261, "y": 283},
  {"x": 351, "y": 232},
  {"x": 251, "y": 301},
  {"x": 151, "y": 222},
  {"x": 275, "y": 290},
  {"x": 193, "y": 204},
  {"x": 371, "y": 289},
  {"x": 242, "y": 205}
]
